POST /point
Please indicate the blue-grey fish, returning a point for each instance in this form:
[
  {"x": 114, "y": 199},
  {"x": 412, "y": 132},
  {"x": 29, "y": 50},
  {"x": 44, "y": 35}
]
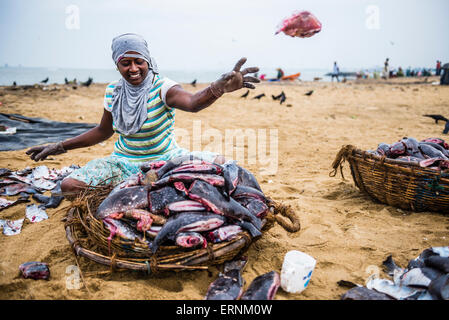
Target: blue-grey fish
[
  {"x": 187, "y": 221},
  {"x": 263, "y": 287},
  {"x": 362, "y": 293},
  {"x": 229, "y": 284}
]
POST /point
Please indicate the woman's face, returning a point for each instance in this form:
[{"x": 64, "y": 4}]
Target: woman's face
[{"x": 133, "y": 70}]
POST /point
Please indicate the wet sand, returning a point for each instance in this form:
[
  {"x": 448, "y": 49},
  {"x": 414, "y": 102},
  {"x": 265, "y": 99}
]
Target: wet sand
[{"x": 343, "y": 229}]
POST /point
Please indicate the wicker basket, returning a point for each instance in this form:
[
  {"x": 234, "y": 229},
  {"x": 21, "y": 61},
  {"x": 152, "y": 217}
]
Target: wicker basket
[
  {"x": 89, "y": 238},
  {"x": 397, "y": 183}
]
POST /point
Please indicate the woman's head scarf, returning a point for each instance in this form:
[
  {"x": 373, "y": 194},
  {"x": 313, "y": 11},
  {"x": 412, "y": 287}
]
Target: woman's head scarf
[{"x": 129, "y": 110}]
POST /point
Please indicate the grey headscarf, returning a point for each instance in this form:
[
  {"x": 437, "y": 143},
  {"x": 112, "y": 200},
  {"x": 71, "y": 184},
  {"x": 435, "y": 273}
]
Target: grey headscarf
[{"x": 129, "y": 110}]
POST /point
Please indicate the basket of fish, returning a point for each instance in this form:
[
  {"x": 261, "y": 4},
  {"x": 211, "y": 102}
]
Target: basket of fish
[
  {"x": 181, "y": 214},
  {"x": 408, "y": 174}
]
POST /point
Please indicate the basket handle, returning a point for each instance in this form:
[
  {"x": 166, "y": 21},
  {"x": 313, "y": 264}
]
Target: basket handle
[{"x": 340, "y": 159}]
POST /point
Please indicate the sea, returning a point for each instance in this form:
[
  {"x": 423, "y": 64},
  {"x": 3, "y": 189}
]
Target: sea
[{"x": 31, "y": 75}]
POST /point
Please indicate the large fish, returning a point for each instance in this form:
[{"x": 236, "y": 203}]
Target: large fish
[
  {"x": 231, "y": 175},
  {"x": 159, "y": 199},
  {"x": 210, "y": 197},
  {"x": 190, "y": 240},
  {"x": 151, "y": 165},
  {"x": 213, "y": 179},
  {"x": 187, "y": 221},
  {"x": 202, "y": 167},
  {"x": 229, "y": 284},
  {"x": 131, "y": 181},
  {"x": 301, "y": 24},
  {"x": 247, "y": 179},
  {"x": 175, "y": 162},
  {"x": 242, "y": 191},
  {"x": 263, "y": 287},
  {"x": 439, "y": 141},
  {"x": 419, "y": 277},
  {"x": 412, "y": 147},
  {"x": 224, "y": 233},
  {"x": 182, "y": 206},
  {"x": 122, "y": 230},
  {"x": 123, "y": 200},
  {"x": 438, "y": 147},
  {"x": 431, "y": 152}
]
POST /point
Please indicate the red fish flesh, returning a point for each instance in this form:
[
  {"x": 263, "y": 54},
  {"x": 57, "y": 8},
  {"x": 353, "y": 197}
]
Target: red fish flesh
[
  {"x": 301, "y": 24},
  {"x": 190, "y": 240}
]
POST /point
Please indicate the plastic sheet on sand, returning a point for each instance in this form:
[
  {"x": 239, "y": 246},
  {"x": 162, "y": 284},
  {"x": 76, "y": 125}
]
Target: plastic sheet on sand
[{"x": 35, "y": 131}]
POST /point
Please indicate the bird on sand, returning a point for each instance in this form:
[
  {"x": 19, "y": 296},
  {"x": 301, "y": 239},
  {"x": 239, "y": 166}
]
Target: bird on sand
[
  {"x": 436, "y": 117},
  {"x": 283, "y": 98},
  {"x": 309, "y": 93},
  {"x": 278, "y": 96},
  {"x": 258, "y": 97},
  {"x": 45, "y": 80},
  {"x": 193, "y": 83},
  {"x": 245, "y": 94}
]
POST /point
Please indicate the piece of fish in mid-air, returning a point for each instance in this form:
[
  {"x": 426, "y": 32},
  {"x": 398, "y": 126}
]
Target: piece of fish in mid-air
[
  {"x": 301, "y": 24},
  {"x": 229, "y": 284},
  {"x": 123, "y": 200},
  {"x": 263, "y": 287},
  {"x": 35, "y": 270},
  {"x": 187, "y": 221},
  {"x": 190, "y": 240},
  {"x": 362, "y": 293}
]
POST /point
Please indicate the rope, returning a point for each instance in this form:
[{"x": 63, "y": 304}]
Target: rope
[
  {"x": 113, "y": 263},
  {"x": 339, "y": 160}
]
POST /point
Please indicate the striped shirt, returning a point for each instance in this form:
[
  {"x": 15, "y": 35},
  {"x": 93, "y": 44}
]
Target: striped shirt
[{"x": 156, "y": 137}]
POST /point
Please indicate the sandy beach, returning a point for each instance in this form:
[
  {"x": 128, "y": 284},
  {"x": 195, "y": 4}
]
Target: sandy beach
[{"x": 343, "y": 229}]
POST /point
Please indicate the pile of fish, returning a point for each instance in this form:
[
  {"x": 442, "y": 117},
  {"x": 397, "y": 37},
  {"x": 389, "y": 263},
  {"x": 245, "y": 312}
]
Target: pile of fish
[
  {"x": 229, "y": 284},
  {"x": 31, "y": 182},
  {"x": 430, "y": 153},
  {"x": 424, "y": 278},
  {"x": 186, "y": 202}
]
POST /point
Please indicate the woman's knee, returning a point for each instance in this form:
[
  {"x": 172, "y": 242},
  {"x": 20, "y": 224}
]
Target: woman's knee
[{"x": 71, "y": 186}]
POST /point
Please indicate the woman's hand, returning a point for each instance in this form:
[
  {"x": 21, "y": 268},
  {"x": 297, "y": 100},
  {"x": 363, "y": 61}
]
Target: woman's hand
[
  {"x": 42, "y": 152},
  {"x": 235, "y": 79}
]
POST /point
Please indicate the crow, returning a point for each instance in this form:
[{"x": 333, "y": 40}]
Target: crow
[
  {"x": 245, "y": 94},
  {"x": 436, "y": 117},
  {"x": 309, "y": 93},
  {"x": 45, "y": 80},
  {"x": 283, "y": 98},
  {"x": 259, "y": 96},
  {"x": 193, "y": 83},
  {"x": 278, "y": 97},
  {"x": 88, "y": 82},
  {"x": 446, "y": 128}
]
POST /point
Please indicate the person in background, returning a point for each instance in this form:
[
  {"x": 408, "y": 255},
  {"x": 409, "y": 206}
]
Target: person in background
[
  {"x": 335, "y": 72},
  {"x": 386, "y": 72},
  {"x": 438, "y": 68},
  {"x": 280, "y": 73},
  {"x": 400, "y": 72}
]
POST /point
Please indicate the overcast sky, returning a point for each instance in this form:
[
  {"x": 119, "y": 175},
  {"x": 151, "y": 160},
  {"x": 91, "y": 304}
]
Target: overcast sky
[{"x": 213, "y": 35}]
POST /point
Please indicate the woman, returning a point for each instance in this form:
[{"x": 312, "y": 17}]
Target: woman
[{"x": 140, "y": 108}]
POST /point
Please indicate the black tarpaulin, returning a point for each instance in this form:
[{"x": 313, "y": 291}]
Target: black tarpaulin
[{"x": 35, "y": 131}]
